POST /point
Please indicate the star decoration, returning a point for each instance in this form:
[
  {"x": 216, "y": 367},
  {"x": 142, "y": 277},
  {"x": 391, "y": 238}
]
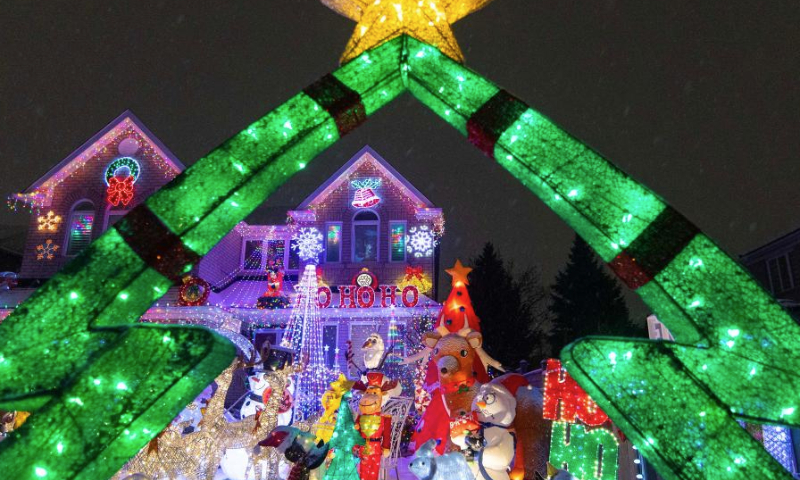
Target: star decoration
[
  {"x": 428, "y": 21},
  {"x": 459, "y": 273}
]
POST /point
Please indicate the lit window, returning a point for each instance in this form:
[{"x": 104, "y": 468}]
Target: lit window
[
  {"x": 252, "y": 254},
  {"x": 333, "y": 243},
  {"x": 397, "y": 241},
  {"x": 275, "y": 253},
  {"x": 81, "y": 223},
  {"x": 365, "y": 237},
  {"x": 780, "y": 274},
  {"x": 330, "y": 335}
]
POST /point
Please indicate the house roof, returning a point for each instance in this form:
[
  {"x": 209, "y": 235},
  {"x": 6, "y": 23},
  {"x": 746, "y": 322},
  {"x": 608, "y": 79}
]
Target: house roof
[
  {"x": 39, "y": 193},
  {"x": 366, "y": 154},
  {"x": 773, "y": 247}
]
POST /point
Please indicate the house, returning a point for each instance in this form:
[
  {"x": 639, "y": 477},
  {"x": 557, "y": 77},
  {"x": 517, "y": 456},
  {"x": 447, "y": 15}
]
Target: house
[
  {"x": 367, "y": 234},
  {"x": 776, "y": 265}
]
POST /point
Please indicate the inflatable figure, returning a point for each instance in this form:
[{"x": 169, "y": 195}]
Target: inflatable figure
[
  {"x": 427, "y": 465},
  {"x": 299, "y": 448},
  {"x": 495, "y": 441},
  {"x": 372, "y": 425},
  {"x": 331, "y": 400}
]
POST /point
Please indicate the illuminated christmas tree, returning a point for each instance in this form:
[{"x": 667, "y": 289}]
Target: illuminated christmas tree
[
  {"x": 457, "y": 314},
  {"x": 345, "y": 437},
  {"x": 304, "y": 336}
]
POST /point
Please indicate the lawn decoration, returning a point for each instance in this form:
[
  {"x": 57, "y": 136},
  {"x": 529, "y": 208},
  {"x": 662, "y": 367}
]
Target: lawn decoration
[
  {"x": 495, "y": 407},
  {"x": 428, "y": 465},
  {"x": 374, "y": 427},
  {"x": 721, "y": 318},
  {"x": 299, "y": 448}
]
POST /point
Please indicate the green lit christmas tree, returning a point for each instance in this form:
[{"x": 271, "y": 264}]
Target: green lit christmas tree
[{"x": 345, "y": 437}]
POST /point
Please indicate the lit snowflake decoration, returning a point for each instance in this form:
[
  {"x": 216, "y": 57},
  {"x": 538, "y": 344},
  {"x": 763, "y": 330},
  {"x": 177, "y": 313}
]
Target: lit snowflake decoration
[
  {"x": 420, "y": 241},
  {"x": 49, "y": 222},
  {"x": 46, "y": 251},
  {"x": 307, "y": 243}
]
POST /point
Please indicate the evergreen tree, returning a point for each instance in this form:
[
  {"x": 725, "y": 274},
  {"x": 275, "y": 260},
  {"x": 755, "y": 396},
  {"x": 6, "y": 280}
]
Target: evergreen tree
[
  {"x": 513, "y": 311},
  {"x": 345, "y": 437},
  {"x": 586, "y": 300}
]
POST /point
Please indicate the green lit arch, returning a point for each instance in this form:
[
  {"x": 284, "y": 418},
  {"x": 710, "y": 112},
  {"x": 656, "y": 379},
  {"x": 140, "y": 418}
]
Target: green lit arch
[{"x": 701, "y": 294}]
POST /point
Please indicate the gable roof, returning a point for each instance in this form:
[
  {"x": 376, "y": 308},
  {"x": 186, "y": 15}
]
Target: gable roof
[
  {"x": 40, "y": 192},
  {"x": 366, "y": 154}
]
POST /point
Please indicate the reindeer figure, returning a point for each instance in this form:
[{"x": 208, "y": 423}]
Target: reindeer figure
[{"x": 197, "y": 455}]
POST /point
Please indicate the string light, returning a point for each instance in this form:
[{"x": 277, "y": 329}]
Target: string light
[{"x": 308, "y": 243}]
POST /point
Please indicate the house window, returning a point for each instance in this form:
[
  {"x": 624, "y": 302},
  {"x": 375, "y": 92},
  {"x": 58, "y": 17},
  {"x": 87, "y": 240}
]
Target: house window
[
  {"x": 333, "y": 243},
  {"x": 294, "y": 255},
  {"x": 330, "y": 337},
  {"x": 276, "y": 250},
  {"x": 397, "y": 241},
  {"x": 365, "y": 237},
  {"x": 780, "y": 274},
  {"x": 81, "y": 223},
  {"x": 113, "y": 215},
  {"x": 252, "y": 254}
]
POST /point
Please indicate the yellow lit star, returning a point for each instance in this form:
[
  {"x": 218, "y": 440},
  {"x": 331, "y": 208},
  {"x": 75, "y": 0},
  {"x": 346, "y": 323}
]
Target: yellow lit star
[
  {"x": 382, "y": 20},
  {"x": 459, "y": 273}
]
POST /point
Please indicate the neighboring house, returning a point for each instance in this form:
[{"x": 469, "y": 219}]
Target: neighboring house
[
  {"x": 376, "y": 230},
  {"x": 776, "y": 265}
]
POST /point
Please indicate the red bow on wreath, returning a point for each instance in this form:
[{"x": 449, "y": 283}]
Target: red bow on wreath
[
  {"x": 120, "y": 190},
  {"x": 412, "y": 272}
]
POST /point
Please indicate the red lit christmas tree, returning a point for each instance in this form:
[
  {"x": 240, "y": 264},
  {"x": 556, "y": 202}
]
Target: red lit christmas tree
[{"x": 457, "y": 316}]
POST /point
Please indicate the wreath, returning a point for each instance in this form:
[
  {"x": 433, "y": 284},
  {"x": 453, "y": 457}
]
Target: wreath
[
  {"x": 124, "y": 162},
  {"x": 194, "y": 292}
]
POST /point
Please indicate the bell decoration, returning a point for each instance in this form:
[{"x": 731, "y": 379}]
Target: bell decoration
[{"x": 365, "y": 198}]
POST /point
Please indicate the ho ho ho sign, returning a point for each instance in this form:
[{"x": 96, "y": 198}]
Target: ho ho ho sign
[{"x": 364, "y": 296}]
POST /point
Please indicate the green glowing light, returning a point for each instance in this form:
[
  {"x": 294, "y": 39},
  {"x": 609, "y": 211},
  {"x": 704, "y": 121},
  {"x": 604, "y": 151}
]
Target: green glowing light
[
  {"x": 96, "y": 381},
  {"x": 734, "y": 332},
  {"x": 40, "y": 472},
  {"x": 73, "y": 295},
  {"x": 60, "y": 447},
  {"x": 76, "y": 401},
  {"x": 123, "y": 296},
  {"x": 122, "y": 386},
  {"x": 301, "y": 165}
]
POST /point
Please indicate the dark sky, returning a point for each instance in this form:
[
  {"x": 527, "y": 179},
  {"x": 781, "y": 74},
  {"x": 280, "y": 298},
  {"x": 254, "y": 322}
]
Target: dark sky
[{"x": 697, "y": 99}]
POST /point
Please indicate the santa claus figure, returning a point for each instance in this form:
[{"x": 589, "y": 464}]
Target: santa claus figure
[
  {"x": 494, "y": 408},
  {"x": 375, "y": 427}
]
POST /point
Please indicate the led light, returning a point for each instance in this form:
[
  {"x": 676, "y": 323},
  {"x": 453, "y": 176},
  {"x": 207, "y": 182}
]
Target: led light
[
  {"x": 40, "y": 472},
  {"x": 122, "y": 386}
]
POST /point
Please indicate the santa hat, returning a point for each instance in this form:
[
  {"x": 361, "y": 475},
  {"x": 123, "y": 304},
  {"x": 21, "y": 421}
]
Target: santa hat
[{"x": 511, "y": 382}]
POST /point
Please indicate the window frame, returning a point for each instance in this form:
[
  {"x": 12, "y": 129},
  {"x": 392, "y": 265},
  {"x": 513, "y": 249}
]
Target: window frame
[
  {"x": 772, "y": 282},
  {"x": 355, "y": 223},
  {"x": 389, "y": 239},
  {"x": 243, "y": 254},
  {"x": 72, "y": 211},
  {"x": 341, "y": 241},
  {"x": 111, "y": 211},
  {"x": 336, "y": 342}
]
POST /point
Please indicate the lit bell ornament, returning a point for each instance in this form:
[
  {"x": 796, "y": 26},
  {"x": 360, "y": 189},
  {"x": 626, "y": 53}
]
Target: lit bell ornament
[{"x": 365, "y": 198}]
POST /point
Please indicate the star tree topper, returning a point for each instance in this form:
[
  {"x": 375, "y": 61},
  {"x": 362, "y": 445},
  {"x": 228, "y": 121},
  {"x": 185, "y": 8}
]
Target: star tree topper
[
  {"x": 382, "y": 20},
  {"x": 459, "y": 273}
]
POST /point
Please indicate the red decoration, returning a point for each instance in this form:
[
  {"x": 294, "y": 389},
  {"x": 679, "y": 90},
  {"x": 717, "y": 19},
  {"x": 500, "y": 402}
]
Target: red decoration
[
  {"x": 328, "y": 297},
  {"x": 414, "y": 296},
  {"x": 413, "y": 272},
  {"x": 120, "y": 190},
  {"x": 370, "y": 297},
  {"x": 560, "y": 388},
  {"x": 347, "y": 292},
  {"x": 372, "y": 424},
  {"x": 194, "y": 292},
  {"x": 388, "y": 292},
  {"x": 365, "y": 278}
]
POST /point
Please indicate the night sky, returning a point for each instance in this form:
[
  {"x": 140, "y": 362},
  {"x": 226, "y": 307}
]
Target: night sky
[{"x": 699, "y": 100}]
